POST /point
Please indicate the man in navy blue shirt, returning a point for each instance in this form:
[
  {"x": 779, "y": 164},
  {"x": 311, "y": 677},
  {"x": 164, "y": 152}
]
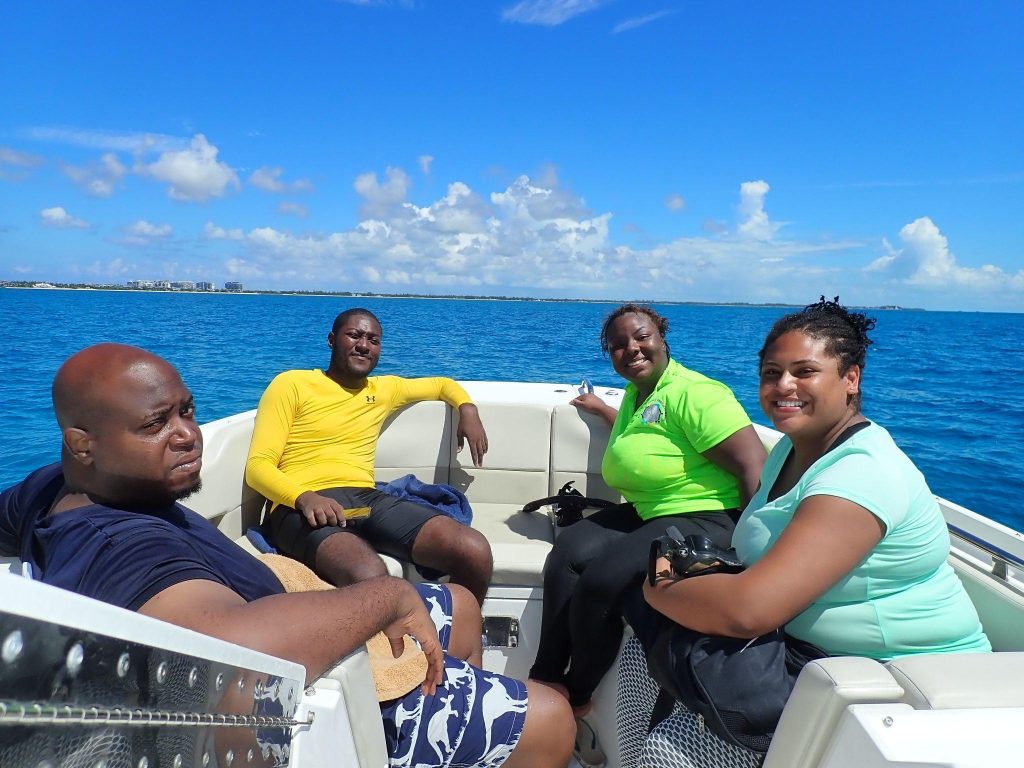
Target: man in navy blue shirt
[{"x": 105, "y": 523}]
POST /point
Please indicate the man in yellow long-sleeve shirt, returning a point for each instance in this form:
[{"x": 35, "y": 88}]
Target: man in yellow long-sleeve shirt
[{"x": 312, "y": 456}]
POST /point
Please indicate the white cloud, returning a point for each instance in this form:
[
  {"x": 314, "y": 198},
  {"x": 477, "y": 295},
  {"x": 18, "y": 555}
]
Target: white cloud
[
  {"x": 112, "y": 269},
  {"x": 21, "y": 162},
  {"x": 540, "y": 200},
  {"x": 675, "y": 202},
  {"x": 549, "y": 13},
  {"x": 143, "y": 228},
  {"x": 114, "y": 141},
  {"x": 753, "y": 219},
  {"x": 213, "y": 232},
  {"x": 98, "y": 179},
  {"x": 10, "y": 156},
  {"x": 425, "y": 161},
  {"x": 640, "y": 21},
  {"x": 536, "y": 237},
  {"x": 380, "y": 197},
  {"x": 58, "y": 218},
  {"x": 529, "y": 238},
  {"x": 144, "y": 234},
  {"x": 269, "y": 180},
  {"x": 295, "y": 209},
  {"x": 193, "y": 174},
  {"x": 926, "y": 261}
]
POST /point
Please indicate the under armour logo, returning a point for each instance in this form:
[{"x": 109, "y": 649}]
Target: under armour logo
[{"x": 371, "y": 398}]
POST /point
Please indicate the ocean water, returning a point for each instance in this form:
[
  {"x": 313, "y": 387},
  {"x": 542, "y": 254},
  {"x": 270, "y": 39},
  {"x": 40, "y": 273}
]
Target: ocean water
[{"x": 948, "y": 386}]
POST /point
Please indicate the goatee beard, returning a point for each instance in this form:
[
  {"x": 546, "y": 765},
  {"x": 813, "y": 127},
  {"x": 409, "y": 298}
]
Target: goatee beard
[{"x": 184, "y": 494}]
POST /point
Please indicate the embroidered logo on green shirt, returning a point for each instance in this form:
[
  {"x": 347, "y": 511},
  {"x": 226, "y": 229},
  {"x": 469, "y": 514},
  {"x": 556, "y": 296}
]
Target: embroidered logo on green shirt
[{"x": 652, "y": 414}]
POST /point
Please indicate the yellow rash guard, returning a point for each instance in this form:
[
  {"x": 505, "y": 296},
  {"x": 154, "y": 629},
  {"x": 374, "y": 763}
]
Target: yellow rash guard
[{"x": 312, "y": 433}]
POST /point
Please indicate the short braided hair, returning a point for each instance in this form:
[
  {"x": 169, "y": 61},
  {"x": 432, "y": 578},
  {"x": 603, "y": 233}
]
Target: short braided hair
[
  {"x": 341, "y": 319},
  {"x": 845, "y": 333},
  {"x": 660, "y": 322}
]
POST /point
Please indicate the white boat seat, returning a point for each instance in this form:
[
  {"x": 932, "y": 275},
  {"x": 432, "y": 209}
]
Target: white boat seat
[
  {"x": 961, "y": 681},
  {"x": 823, "y": 692},
  {"x": 10, "y": 565},
  {"x": 353, "y": 679},
  {"x": 534, "y": 449},
  {"x": 826, "y": 688},
  {"x": 520, "y": 542},
  {"x": 514, "y": 471}
]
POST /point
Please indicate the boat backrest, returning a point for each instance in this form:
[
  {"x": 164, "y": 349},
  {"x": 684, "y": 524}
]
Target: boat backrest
[
  {"x": 225, "y": 498},
  {"x": 989, "y": 559},
  {"x": 578, "y": 440},
  {"x": 516, "y": 468},
  {"x": 827, "y": 688},
  {"x": 416, "y": 440},
  {"x": 534, "y": 448},
  {"x": 1000, "y": 604}
]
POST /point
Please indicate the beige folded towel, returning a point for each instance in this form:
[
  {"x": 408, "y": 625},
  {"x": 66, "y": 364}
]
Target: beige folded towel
[{"x": 392, "y": 677}]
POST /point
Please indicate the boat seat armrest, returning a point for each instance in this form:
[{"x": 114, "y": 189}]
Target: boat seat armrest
[
  {"x": 823, "y": 692},
  {"x": 353, "y": 677},
  {"x": 961, "y": 680}
]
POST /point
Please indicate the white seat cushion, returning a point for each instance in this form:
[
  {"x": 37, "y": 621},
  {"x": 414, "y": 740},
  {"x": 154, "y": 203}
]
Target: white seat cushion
[
  {"x": 961, "y": 680},
  {"x": 520, "y": 542}
]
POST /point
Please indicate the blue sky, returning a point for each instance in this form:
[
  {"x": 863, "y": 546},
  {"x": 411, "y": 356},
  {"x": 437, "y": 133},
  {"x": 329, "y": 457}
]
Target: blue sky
[{"x": 575, "y": 148}]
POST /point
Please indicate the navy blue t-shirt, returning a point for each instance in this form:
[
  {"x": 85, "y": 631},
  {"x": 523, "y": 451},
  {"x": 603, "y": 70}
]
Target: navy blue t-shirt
[{"x": 123, "y": 557}]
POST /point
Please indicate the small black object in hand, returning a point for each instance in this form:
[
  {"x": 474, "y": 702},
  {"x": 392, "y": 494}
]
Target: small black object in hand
[{"x": 690, "y": 555}]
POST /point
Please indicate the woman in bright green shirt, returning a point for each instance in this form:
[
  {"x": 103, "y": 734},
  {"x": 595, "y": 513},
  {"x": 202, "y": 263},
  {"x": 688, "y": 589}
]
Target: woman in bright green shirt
[{"x": 682, "y": 452}]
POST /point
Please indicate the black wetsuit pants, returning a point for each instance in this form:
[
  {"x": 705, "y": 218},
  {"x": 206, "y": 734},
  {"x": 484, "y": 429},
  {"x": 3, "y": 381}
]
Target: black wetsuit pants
[{"x": 588, "y": 571}]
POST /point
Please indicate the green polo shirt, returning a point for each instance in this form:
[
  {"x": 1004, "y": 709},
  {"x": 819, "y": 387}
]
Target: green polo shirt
[{"x": 654, "y": 453}]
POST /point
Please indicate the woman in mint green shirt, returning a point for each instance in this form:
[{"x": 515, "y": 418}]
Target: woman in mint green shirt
[{"x": 844, "y": 543}]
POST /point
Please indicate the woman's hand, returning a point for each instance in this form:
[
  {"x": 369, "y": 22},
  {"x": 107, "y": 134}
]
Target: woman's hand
[
  {"x": 826, "y": 539},
  {"x": 591, "y": 403},
  {"x": 663, "y": 571}
]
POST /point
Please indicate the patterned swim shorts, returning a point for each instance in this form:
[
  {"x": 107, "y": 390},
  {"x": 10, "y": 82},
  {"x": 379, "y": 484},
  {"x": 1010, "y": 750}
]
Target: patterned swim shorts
[{"x": 475, "y": 718}]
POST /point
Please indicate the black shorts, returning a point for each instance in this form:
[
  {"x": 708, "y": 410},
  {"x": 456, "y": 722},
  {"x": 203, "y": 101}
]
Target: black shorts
[{"x": 391, "y": 527}]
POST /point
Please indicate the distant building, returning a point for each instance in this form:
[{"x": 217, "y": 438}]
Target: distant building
[
  {"x": 183, "y": 285},
  {"x": 202, "y": 285},
  {"x": 232, "y": 286},
  {"x": 140, "y": 284},
  {"x": 163, "y": 285}
]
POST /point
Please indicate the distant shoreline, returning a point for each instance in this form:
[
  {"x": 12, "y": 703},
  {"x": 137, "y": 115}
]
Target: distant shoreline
[{"x": 434, "y": 297}]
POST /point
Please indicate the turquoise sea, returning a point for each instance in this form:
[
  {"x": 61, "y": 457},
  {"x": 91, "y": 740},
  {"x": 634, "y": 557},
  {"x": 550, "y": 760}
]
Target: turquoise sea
[{"x": 949, "y": 386}]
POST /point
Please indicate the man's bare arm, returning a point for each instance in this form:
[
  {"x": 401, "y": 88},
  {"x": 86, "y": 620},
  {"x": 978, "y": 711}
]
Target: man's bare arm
[
  {"x": 314, "y": 629},
  {"x": 471, "y": 430}
]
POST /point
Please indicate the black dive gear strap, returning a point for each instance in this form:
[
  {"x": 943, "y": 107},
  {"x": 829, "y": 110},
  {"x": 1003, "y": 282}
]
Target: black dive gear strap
[
  {"x": 568, "y": 504},
  {"x": 691, "y": 555}
]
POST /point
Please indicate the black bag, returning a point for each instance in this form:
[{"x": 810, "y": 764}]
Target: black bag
[{"x": 739, "y": 686}]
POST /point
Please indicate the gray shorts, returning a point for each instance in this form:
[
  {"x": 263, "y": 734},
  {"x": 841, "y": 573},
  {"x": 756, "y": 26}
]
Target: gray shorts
[{"x": 391, "y": 527}]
